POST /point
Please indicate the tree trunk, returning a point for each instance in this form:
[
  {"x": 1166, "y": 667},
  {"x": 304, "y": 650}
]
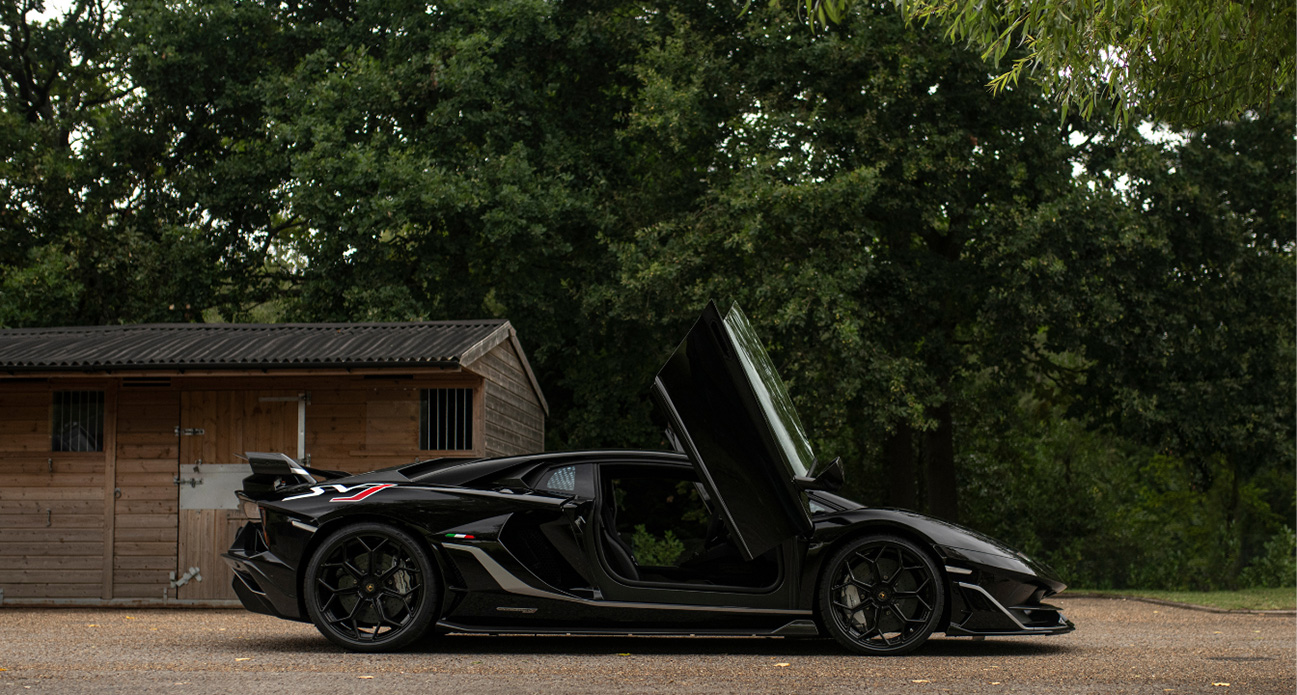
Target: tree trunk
[
  {"x": 899, "y": 459},
  {"x": 943, "y": 495}
]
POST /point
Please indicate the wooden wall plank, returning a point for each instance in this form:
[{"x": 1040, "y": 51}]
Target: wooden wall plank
[
  {"x": 29, "y": 575},
  {"x": 48, "y": 518},
  {"x": 125, "y": 546},
  {"x": 144, "y": 547},
  {"x": 25, "y": 421},
  {"x": 110, "y": 488},
  {"x": 60, "y": 507},
  {"x": 52, "y": 493},
  {"x": 145, "y": 590},
  {"x": 42, "y": 590},
  {"x": 65, "y": 563},
  {"x": 54, "y": 481},
  {"x": 164, "y": 564},
  {"x": 63, "y": 535},
  {"x": 513, "y": 419},
  {"x": 53, "y": 466},
  {"x": 21, "y": 551}
]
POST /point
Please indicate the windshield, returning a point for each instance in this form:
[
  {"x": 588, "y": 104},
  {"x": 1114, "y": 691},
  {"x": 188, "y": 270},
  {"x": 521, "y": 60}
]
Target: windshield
[{"x": 776, "y": 406}]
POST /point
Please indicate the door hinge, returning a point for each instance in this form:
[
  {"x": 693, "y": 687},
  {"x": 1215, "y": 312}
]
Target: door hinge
[
  {"x": 190, "y": 431},
  {"x": 193, "y": 574},
  {"x": 191, "y": 482}
]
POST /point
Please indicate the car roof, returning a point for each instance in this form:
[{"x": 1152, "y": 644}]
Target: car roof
[{"x": 460, "y": 472}]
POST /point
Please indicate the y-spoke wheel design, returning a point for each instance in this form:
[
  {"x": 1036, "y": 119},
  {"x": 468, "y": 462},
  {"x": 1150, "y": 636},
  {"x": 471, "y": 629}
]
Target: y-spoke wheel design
[
  {"x": 881, "y": 595},
  {"x": 370, "y": 587}
]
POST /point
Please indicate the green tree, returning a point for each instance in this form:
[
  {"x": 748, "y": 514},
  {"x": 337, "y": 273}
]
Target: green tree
[
  {"x": 920, "y": 253},
  {"x": 1186, "y": 62},
  {"x": 1200, "y": 362},
  {"x": 91, "y": 230},
  {"x": 926, "y": 261},
  {"x": 413, "y": 162},
  {"x": 849, "y": 222}
]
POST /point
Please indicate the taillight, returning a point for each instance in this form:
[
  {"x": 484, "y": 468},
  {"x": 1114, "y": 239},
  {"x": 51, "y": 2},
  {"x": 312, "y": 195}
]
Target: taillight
[{"x": 265, "y": 536}]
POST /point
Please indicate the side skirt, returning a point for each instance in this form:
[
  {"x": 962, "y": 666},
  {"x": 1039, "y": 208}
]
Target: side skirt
[
  {"x": 513, "y": 585},
  {"x": 794, "y": 628}
]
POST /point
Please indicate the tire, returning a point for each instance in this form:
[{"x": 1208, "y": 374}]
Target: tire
[
  {"x": 371, "y": 587},
  {"x": 881, "y": 595}
]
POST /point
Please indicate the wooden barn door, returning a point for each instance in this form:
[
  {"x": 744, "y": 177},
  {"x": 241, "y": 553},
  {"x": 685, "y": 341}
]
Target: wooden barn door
[{"x": 214, "y": 427}]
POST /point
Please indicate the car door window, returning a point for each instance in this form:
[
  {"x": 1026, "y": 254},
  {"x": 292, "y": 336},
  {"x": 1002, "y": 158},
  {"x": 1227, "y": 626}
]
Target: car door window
[
  {"x": 661, "y": 519},
  {"x": 575, "y": 480}
]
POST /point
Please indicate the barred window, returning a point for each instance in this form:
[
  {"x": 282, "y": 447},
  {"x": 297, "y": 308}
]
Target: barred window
[
  {"x": 446, "y": 419},
  {"x": 77, "y": 421}
]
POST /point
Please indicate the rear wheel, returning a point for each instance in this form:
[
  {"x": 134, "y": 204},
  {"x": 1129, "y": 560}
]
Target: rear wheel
[
  {"x": 371, "y": 588},
  {"x": 881, "y": 595}
]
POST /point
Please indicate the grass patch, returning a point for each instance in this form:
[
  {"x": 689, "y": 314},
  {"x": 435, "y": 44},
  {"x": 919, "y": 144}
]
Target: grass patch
[{"x": 1244, "y": 599}]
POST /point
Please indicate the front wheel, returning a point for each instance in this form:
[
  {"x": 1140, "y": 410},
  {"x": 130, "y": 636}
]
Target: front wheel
[
  {"x": 881, "y": 595},
  {"x": 371, "y": 588}
]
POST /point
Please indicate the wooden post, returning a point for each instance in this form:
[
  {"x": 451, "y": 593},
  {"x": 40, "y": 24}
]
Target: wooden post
[{"x": 110, "y": 485}]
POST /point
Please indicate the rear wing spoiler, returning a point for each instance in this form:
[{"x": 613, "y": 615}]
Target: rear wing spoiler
[{"x": 271, "y": 471}]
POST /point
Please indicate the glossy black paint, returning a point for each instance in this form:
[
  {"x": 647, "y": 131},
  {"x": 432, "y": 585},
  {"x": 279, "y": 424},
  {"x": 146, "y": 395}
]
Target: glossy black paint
[
  {"x": 535, "y": 543},
  {"x": 717, "y": 416},
  {"x": 489, "y": 589}
]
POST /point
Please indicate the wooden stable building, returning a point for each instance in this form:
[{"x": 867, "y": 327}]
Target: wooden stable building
[{"x": 119, "y": 445}]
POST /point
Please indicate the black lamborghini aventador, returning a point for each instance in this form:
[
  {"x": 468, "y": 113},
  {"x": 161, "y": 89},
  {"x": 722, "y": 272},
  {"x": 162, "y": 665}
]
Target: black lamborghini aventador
[{"x": 736, "y": 532}]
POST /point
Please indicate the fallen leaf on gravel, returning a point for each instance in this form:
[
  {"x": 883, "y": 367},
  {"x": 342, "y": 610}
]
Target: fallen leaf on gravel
[
  {"x": 92, "y": 625},
  {"x": 1224, "y": 685},
  {"x": 4, "y": 669},
  {"x": 129, "y": 618},
  {"x": 921, "y": 681},
  {"x": 784, "y": 664},
  {"x": 243, "y": 658},
  {"x": 365, "y": 678},
  {"x": 995, "y": 682},
  {"x": 623, "y": 654}
]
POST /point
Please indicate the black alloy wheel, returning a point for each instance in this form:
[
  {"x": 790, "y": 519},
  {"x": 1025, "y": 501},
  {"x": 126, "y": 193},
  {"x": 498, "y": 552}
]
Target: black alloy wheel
[
  {"x": 881, "y": 595},
  {"x": 371, "y": 588}
]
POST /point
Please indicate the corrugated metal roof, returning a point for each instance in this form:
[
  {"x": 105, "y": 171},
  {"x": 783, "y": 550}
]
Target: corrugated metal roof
[{"x": 246, "y": 346}]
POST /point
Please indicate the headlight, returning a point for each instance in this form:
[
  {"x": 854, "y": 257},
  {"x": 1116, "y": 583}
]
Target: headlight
[{"x": 250, "y": 509}]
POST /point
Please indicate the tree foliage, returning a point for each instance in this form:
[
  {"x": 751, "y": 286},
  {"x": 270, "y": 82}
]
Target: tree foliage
[
  {"x": 1186, "y": 62},
  {"x": 981, "y": 303},
  {"x": 846, "y": 219},
  {"x": 94, "y": 227}
]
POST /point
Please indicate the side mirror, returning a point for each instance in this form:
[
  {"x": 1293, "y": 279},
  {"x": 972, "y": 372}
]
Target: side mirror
[{"x": 828, "y": 479}]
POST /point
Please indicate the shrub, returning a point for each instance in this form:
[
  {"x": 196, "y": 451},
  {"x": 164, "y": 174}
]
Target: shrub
[
  {"x": 1277, "y": 564},
  {"x": 653, "y": 551}
]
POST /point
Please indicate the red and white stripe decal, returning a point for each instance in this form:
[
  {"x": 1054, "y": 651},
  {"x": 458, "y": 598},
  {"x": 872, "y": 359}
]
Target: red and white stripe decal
[{"x": 363, "y": 493}]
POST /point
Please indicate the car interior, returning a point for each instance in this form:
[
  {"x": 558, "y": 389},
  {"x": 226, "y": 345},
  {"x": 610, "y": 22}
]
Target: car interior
[{"x": 657, "y": 526}]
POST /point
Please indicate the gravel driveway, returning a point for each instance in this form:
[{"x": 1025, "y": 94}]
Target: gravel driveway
[{"x": 1119, "y": 647}]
